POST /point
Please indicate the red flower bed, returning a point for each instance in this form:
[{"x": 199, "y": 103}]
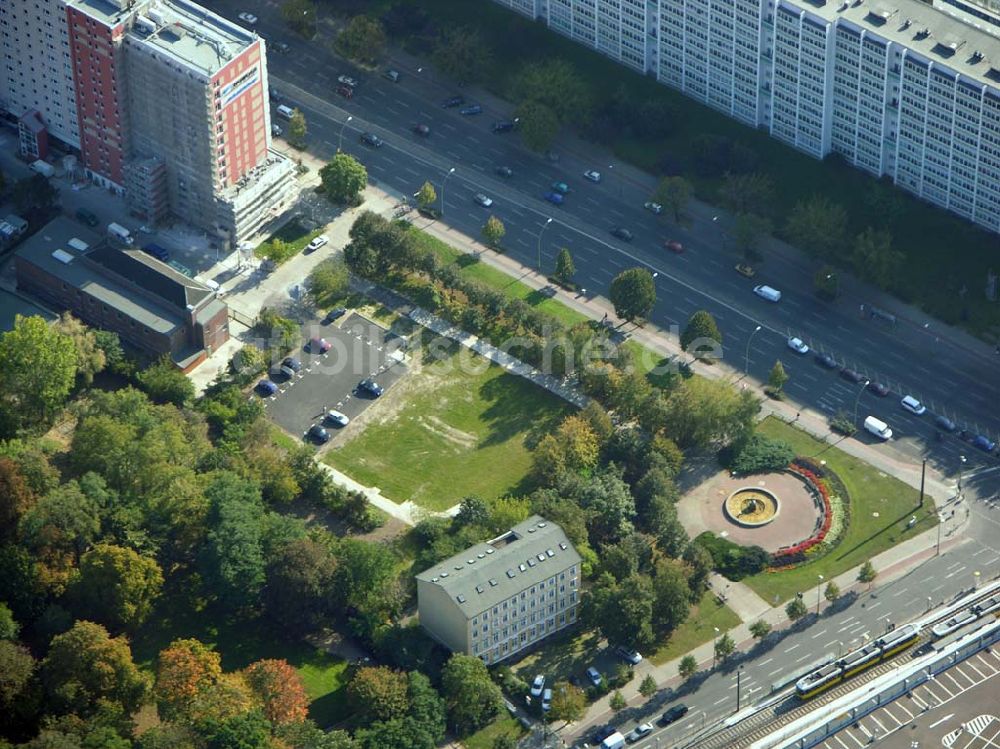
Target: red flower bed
[{"x": 796, "y": 553}]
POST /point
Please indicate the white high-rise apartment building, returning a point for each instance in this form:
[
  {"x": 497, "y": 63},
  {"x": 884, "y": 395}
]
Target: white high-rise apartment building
[{"x": 901, "y": 88}]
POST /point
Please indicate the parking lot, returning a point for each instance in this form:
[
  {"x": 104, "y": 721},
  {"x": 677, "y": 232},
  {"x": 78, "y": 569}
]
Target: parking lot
[
  {"x": 358, "y": 350},
  {"x": 957, "y": 709}
]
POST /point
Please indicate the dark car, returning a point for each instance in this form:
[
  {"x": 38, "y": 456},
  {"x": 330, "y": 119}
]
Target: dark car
[
  {"x": 454, "y": 101},
  {"x": 504, "y": 171},
  {"x": 87, "y": 217},
  {"x": 422, "y": 129},
  {"x": 503, "y": 126},
  {"x": 334, "y": 314},
  {"x": 318, "y": 434},
  {"x": 471, "y": 109},
  {"x": 673, "y": 715},
  {"x": 601, "y": 733},
  {"x": 851, "y": 375},
  {"x": 984, "y": 443},
  {"x": 290, "y": 366},
  {"x": 943, "y": 422},
  {"x": 370, "y": 139},
  {"x": 371, "y": 387},
  {"x": 266, "y": 387},
  {"x": 346, "y": 91},
  {"x": 282, "y": 47},
  {"x": 622, "y": 233},
  {"x": 826, "y": 360},
  {"x": 554, "y": 197},
  {"x": 879, "y": 388}
]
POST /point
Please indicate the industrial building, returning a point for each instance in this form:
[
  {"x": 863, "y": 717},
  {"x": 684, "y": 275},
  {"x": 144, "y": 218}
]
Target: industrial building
[
  {"x": 165, "y": 102},
  {"x": 899, "y": 88},
  {"x": 503, "y": 595},
  {"x": 152, "y": 307}
]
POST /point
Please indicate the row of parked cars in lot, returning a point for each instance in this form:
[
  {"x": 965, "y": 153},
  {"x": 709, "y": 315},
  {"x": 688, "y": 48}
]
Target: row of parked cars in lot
[{"x": 908, "y": 403}]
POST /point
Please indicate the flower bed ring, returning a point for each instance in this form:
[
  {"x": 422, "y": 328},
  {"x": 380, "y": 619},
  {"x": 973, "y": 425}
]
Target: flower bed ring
[{"x": 751, "y": 506}]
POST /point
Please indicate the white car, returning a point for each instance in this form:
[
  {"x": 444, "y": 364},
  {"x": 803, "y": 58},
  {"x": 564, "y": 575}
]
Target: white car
[
  {"x": 317, "y": 242},
  {"x": 798, "y": 346},
  {"x": 347, "y": 81},
  {"x": 336, "y": 417},
  {"x": 912, "y": 405},
  {"x": 592, "y": 175},
  {"x": 643, "y": 729},
  {"x": 654, "y": 207},
  {"x": 538, "y": 685},
  {"x": 482, "y": 200},
  {"x": 248, "y": 18}
]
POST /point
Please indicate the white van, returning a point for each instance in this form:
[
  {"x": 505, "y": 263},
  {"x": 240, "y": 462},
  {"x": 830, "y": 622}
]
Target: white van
[
  {"x": 766, "y": 292},
  {"x": 614, "y": 741},
  {"x": 285, "y": 111},
  {"x": 878, "y": 427}
]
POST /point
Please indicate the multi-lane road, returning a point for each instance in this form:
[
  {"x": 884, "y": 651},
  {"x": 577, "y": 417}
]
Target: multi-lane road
[{"x": 949, "y": 379}]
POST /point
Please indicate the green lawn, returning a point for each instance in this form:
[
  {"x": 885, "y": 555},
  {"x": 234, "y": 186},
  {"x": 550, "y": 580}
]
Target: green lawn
[
  {"x": 484, "y": 738},
  {"x": 240, "y": 642},
  {"x": 465, "y": 428},
  {"x": 699, "y": 628},
  {"x": 867, "y": 535},
  {"x": 928, "y": 277},
  {"x": 294, "y": 234}
]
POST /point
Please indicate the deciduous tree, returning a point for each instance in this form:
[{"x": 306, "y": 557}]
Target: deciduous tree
[
  {"x": 874, "y": 258},
  {"x": 16, "y": 498},
  {"x": 724, "y": 647},
  {"x": 867, "y": 574},
  {"x": 117, "y": 586},
  {"x": 362, "y": 40},
  {"x": 671, "y": 596},
  {"x": 760, "y": 629},
  {"x": 493, "y": 231},
  {"x": 39, "y": 368},
  {"x": 538, "y": 125},
  {"x": 299, "y": 583},
  {"x": 617, "y": 702},
  {"x": 165, "y": 383},
  {"x": 748, "y": 231},
  {"x": 633, "y": 293},
  {"x": 569, "y": 702},
  {"x": 85, "y": 666},
  {"x": 674, "y": 194},
  {"x": 463, "y": 54},
  {"x": 818, "y": 226},
  {"x": 565, "y": 269},
  {"x": 426, "y": 195},
  {"x": 832, "y": 591},
  {"x": 747, "y": 194},
  {"x": 687, "y": 667},
  {"x": 328, "y": 282},
  {"x": 298, "y": 129},
  {"x": 378, "y": 693},
  {"x": 184, "y": 669},
  {"x": 796, "y": 609},
  {"x": 90, "y": 357},
  {"x": 17, "y": 666},
  {"x": 648, "y": 686},
  {"x": 702, "y": 337},
  {"x": 301, "y": 16},
  {"x": 555, "y": 84},
  {"x": 280, "y": 690},
  {"x": 471, "y": 696},
  {"x": 343, "y": 178},
  {"x": 778, "y": 377}
]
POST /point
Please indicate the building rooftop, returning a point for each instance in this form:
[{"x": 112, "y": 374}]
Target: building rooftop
[
  {"x": 972, "y": 50},
  {"x": 493, "y": 571},
  {"x": 101, "y": 270},
  {"x": 108, "y": 12}
]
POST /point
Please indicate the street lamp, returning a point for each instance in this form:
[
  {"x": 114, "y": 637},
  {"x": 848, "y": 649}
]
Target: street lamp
[
  {"x": 836, "y": 283},
  {"x": 818, "y": 590},
  {"x": 961, "y": 468},
  {"x": 443, "y": 185},
  {"x": 340, "y": 141},
  {"x": 857, "y": 400},
  {"x": 540, "y": 231},
  {"x": 746, "y": 366},
  {"x": 715, "y": 646},
  {"x": 975, "y": 576}
]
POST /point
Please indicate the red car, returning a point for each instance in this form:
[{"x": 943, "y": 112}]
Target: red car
[
  {"x": 346, "y": 91},
  {"x": 319, "y": 345},
  {"x": 674, "y": 246}
]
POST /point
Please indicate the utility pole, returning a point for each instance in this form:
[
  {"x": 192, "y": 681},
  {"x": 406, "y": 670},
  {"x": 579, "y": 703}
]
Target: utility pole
[{"x": 923, "y": 475}]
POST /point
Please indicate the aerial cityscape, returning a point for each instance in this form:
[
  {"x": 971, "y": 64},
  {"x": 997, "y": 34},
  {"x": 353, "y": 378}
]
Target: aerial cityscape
[{"x": 496, "y": 374}]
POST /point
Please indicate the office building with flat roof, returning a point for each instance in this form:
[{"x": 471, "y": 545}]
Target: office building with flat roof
[{"x": 503, "y": 595}]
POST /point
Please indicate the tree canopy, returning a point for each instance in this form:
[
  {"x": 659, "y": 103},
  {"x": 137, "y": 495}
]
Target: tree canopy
[{"x": 633, "y": 293}]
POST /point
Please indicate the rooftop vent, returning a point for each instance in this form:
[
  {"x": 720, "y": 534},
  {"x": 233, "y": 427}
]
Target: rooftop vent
[
  {"x": 542, "y": 525},
  {"x": 977, "y": 56},
  {"x": 78, "y": 244},
  {"x": 493, "y": 582},
  {"x": 923, "y": 33},
  {"x": 460, "y": 598},
  {"x": 510, "y": 574},
  {"x": 490, "y": 551},
  {"x": 563, "y": 546},
  {"x": 550, "y": 553},
  {"x": 480, "y": 588},
  {"x": 906, "y": 24},
  {"x": 434, "y": 579},
  {"x": 532, "y": 562},
  {"x": 480, "y": 555},
  {"x": 531, "y": 530},
  {"x": 541, "y": 557},
  {"x": 62, "y": 256},
  {"x": 458, "y": 567},
  {"x": 522, "y": 567},
  {"x": 444, "y": 574}
]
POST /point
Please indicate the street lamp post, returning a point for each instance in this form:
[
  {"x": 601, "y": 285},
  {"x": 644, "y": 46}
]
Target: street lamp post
[
  {"x": 836, "y": 283},
  {"x": 443, "y": 185},
  {"x": 539, "y": 248},
  {"x": 715, "y": 646},
  {"x": 937, "y": 549},
  {"x": 739, "y": 673},
  {"x": 818, "y": 591},
  {"x": 340, "y": 141},
  {"x": 857, "y": 400},
  {"x": 961, "y": 469},
  {"x": 975, "y": 576},
  {"x": 746, "y": 360}
]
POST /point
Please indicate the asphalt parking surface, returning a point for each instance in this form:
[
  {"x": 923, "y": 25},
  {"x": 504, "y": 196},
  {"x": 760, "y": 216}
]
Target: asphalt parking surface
[
  {"x": 957, "y": 709},
  {"x": 359, "y": 349}
]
